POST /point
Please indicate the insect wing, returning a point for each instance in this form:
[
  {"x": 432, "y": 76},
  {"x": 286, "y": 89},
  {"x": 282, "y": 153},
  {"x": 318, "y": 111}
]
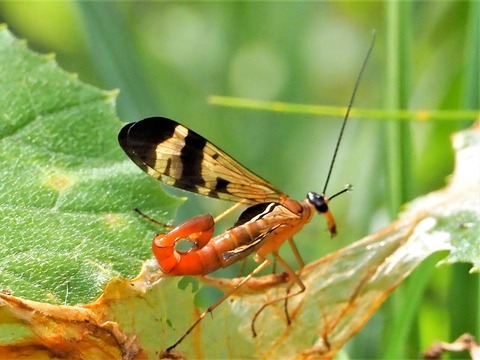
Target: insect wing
[
  {"x": 179, "y": 157},
  {"x": 248, "y": 248},
  {"x": 274, "y": 216}
]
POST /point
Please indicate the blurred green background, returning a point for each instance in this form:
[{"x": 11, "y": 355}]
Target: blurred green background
[{"x": 168, "y": 57}]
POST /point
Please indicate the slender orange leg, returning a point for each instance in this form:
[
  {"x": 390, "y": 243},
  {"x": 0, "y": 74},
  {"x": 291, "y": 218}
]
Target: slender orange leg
[
  {"x": 212, "y": 307},
  {"x": 301, "y": 263},
  {"x": 292, "y": 276},
  {"x": 298, "y": 257},
  {"x": 228, "y": 211}
]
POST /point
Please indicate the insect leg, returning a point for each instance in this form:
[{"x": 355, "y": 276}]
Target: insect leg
[
  {"x": 301, "y": 263},
  {"x": 215, "y": 220},
  {"x": 253, "y": 286},
  {"x": 228, "y": 211},
  {"x": 296, "y": 253},
  {"x": 212, "y": 307},
  {"x": 149, "y": 218},
  {"x": 295, "y": 279}
]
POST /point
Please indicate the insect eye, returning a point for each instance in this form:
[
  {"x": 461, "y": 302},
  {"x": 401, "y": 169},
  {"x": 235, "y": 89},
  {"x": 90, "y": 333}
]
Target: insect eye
[{"x": 318, "y": 201}]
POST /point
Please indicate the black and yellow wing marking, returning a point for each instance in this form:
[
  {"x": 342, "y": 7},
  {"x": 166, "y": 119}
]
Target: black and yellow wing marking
[{"x": 179, "y": 157}]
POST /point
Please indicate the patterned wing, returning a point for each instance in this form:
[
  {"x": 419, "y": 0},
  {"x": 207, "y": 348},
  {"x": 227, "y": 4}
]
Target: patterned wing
[{"x": 179, "y": 157}]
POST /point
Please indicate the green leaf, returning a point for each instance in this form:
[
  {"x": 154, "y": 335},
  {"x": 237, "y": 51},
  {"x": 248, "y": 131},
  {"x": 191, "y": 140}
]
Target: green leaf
[
  {"x": 68, "y": 229},
  {"x": 345, "y": 288},
  {"x": 67, "y": 192}
]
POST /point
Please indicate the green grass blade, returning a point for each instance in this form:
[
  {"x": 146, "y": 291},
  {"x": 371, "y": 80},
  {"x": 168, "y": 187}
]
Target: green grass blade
[{"x": 116, "y": 56}]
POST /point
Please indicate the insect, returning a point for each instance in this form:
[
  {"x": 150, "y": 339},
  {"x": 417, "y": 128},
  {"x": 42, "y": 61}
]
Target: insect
[{"x": 178, "y": 156}]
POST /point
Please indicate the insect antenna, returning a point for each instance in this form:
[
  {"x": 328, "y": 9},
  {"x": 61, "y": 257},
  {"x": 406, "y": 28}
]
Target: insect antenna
[
  {"x": 344, "y": 123},
  {"x": 347, "y": 188}
]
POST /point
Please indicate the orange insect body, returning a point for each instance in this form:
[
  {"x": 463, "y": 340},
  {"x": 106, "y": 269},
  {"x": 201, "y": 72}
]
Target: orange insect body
[{"x": 264, "y": 233}]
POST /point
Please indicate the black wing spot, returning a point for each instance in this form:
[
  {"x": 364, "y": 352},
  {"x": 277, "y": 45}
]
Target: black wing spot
[
  {"x": 222, "y": 185},
  {"x": 140, "y": 139}
]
